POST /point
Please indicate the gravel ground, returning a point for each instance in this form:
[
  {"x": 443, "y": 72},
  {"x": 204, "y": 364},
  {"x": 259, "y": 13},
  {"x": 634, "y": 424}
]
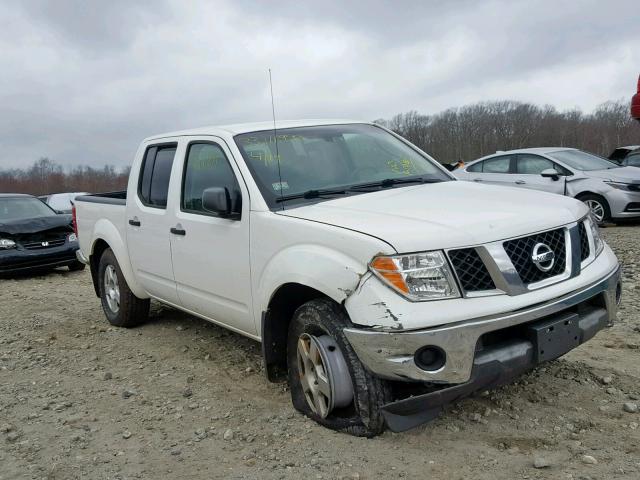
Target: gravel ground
[{"x": 181, "y": 398}]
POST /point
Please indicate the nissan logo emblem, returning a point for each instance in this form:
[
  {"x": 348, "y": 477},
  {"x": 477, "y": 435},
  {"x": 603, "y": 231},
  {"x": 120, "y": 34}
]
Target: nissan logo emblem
[{"x": 543, "y": 257}]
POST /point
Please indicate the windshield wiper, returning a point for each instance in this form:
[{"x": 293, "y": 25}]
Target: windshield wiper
[
  {"x": 390, "y": 182},
  {"x": 309, "y": 194}
]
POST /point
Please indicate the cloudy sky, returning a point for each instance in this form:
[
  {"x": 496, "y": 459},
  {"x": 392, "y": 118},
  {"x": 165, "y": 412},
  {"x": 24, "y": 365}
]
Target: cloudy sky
[{"x": 82, "y": 82}]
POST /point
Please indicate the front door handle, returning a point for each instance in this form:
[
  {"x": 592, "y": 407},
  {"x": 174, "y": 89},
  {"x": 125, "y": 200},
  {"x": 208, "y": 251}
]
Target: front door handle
[
  {"x": 134, "y": 222},
  {"x": 520, "y": 182},
  {"x": 178, "y": 231},
  {"x": 477, "y": 180}
]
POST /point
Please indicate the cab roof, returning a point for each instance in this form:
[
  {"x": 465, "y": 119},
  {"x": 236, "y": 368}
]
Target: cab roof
[
  {"x": 15, "y": 195},
  {"x": 238, "y": 128}
]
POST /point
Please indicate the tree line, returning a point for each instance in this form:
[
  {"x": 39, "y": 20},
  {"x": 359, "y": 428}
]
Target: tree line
[
  {"x": 463, "y": 133},
  {"x": 473, "y": 131},
  {"x": 46, "y": 176}
]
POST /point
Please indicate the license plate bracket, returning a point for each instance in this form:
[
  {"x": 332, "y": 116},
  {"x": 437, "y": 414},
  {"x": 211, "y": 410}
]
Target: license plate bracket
[{"x": 554, "y": 337}]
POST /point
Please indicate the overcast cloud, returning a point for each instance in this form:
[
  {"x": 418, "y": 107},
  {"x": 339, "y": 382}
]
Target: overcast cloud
[{"x": 82, "y": 82}]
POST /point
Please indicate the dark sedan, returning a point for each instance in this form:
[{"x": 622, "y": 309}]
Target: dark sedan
[{"x": 34, "y": 237}]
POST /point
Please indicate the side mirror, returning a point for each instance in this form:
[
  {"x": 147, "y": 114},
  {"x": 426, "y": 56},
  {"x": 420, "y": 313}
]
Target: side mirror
[
  {"x": 550, "y": 173},
  {"x": 217, "y": 200}
]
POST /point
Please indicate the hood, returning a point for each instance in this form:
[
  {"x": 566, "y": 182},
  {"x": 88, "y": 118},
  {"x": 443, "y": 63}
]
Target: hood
[
  {"x": 445, "y": 215},
  {"x": 622, "y": 174},
  {"x": 35, "y": 225}
]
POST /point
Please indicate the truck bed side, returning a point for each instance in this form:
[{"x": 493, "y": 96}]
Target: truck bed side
[{"x": 101, "y": 223}]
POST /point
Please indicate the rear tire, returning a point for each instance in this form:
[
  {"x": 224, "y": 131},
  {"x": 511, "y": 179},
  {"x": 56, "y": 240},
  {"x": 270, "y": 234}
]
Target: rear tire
[
  {"x": 121, "y": 307},
  {"x": 599, "y": 207},
  {"x": 321, "y": 319},
  {"x": 76, "y": 266}
]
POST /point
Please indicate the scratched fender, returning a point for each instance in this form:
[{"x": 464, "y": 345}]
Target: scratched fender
[{"x": 322, "y": 268}]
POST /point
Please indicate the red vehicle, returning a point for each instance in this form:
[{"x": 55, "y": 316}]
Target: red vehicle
[{"x": 635, "y": 103}]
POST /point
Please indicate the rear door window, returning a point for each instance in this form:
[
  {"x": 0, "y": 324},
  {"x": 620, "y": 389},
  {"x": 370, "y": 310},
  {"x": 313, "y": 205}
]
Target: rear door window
[
  {"x": 497, "y": 165},
  {"x": 633, "y": 160},
  {"x": 155, "y": 175},
  {"x": 475, "y": 168}
]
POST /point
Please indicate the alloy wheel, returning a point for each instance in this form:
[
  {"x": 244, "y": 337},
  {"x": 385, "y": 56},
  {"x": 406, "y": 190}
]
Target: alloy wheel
[
  {"x": 324, "y": 375},
  {"x": 597, "y": 209},
  {"x": 111, "y": 288}
]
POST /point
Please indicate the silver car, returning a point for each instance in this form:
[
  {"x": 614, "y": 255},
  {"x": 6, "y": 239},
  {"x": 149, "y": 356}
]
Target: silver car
[{"x": 610, "y": 190}]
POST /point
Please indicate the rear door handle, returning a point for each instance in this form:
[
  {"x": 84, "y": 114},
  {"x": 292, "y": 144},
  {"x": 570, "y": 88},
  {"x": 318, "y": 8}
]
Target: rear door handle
[
  {"x": 134, "y": 222},
  {"x": 477, "y": 180},
  {"x": 178, "y": 231},
  {"x": 520, "y": 182}
]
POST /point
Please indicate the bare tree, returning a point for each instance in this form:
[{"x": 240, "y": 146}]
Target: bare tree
[{"x": 480, "y": 129}]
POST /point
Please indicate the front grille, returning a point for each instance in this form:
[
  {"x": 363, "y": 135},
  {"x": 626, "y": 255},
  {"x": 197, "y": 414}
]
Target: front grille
[
  {"x": 471, "y": 270},
  {"x": 520, "y": 252},
  {"x": 39, "y": 241},
  {"x": 584, "y": 242},
  {"x": 43, "y": 244}
]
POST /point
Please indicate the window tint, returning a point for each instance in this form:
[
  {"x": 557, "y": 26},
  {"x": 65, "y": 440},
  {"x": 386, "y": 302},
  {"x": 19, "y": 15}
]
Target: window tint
[
  {"x": 207, "y": 166},
  {"x": 497, "y": 165},
  {"x": 633, "y": 160},
  {"x": 533, "y": 164},
  {"x": 155, "y": 176},
  {"x": 476, "y": 167}
]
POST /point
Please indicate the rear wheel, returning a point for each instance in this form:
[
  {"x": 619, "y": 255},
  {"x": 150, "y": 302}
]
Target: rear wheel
[
  {"x": 327, "y": 381},
  {"x": 121, "y": 307},
  {"x": 598, "y": 206}
]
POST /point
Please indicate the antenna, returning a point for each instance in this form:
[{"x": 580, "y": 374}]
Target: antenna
[{"x": 275, "y": 136}]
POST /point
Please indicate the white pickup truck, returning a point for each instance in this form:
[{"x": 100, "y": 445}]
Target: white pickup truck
[{"x": 379, "y": 284}]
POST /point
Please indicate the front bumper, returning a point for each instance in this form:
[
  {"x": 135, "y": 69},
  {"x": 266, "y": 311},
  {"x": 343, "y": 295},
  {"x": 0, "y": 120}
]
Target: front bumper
[
  {"x": 390, "y": 354},
  {"x": 21, "y": 260},
  {"x": 623, "y": 204}
]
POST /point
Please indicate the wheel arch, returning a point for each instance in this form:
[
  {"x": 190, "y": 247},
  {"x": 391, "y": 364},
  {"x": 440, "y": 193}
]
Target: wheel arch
[
  {"x": 106, "y": 235},
  {"x": 275, "y": 325}
]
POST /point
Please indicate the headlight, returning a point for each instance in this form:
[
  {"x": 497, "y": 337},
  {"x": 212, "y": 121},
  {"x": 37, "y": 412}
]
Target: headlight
[
  {"x": 629, "y": 187},
  {"x": 598, "y": 243},
  {"x": 6, "y": 243},
  {"x": 419, "y": 276},
  {"x": 72, "y": 237}
]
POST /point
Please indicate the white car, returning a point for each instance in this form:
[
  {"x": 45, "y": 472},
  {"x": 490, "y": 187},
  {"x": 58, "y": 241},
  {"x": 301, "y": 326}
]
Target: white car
[
  {"x": 611, "y": 191},
  {"x": 342, "y": 248},
  {"x": 61, "y": 202}
]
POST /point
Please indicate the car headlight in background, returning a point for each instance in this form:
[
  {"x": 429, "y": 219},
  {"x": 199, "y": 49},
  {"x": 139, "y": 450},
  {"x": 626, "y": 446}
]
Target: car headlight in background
[
  {"x": 629, "y": 187},
  {"x": 598, "y": 243},
  {"x": 72, "y": 237},
  {"x": 417, "y": 276},
  {"x": 6, "y": 243}
]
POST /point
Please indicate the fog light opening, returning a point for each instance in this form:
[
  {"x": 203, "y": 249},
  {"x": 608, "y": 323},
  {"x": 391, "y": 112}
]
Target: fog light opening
[{"x": 430, "y": 358}]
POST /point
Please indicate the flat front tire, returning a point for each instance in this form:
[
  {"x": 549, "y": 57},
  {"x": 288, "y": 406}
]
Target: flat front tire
[
  {"x": 121, "y": 307},
  {"x": 327, "y": 380}
]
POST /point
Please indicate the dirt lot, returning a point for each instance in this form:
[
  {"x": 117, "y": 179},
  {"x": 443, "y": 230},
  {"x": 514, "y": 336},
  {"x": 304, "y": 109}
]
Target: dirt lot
[{"x": 180, "y": 398}]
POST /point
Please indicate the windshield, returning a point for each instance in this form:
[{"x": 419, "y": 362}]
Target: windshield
[
  {"x": 25, "y": 208},
  {"x": 582, "y": 160},
  {"x": 318, "y": 158}
]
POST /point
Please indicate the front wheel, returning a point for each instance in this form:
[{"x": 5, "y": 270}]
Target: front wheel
[
  {"x": 121, "y": 307},
  {"x": 327, "y": 380},
  {"x": 598, "y": 206}
]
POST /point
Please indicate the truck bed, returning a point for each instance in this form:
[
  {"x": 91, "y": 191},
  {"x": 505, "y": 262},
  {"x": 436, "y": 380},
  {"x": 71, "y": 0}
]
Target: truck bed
[{"x": 112, "y": 198}]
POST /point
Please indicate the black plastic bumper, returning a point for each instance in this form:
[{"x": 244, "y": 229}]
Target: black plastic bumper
[
  {"x": 23, "y": 261},
  {"x": 498, "y": 365}
]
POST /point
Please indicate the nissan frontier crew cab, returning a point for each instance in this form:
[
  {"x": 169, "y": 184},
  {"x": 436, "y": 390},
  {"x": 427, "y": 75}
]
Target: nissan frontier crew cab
[{"x": 381, "y": 286}]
